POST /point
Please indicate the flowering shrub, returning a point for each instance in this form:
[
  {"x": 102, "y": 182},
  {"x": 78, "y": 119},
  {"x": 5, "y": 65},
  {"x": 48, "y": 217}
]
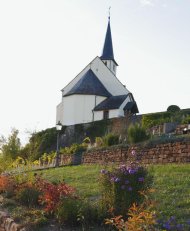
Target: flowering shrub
[{"x": 122, "y": 185}]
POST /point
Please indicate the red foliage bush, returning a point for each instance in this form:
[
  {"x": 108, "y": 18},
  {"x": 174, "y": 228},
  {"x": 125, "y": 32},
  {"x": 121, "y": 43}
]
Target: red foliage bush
[{"x": 52, "y": 194}]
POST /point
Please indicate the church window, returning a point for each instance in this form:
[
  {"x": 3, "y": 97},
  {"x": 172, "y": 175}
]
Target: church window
[{"x": 106, "y": 115}]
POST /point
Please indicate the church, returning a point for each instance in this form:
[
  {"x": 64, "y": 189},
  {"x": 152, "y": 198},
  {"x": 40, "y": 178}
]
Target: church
[{"x": 96, "y": 93}]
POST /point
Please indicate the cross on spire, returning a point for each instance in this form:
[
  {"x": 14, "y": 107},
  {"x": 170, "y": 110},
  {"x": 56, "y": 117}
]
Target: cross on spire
[{"x": 109, "y": 13}]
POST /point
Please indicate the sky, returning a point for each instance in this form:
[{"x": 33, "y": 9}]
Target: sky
[{"x": 44, "y": 44}]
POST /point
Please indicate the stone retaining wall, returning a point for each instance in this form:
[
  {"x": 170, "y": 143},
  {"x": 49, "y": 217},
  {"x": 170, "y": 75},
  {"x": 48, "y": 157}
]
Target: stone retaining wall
[
  {"x": 8, "y": 224},
  {"x": 178, "y": 152}
]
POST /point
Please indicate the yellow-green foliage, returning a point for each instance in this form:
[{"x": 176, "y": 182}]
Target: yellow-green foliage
[
  {"x": 153, "y": 119},
  {"x": 74, "y": 148},
  {"x": 99, "y": 142},
  {"x": 137, "y": 133},
  {"x": 186, "y": 120}
]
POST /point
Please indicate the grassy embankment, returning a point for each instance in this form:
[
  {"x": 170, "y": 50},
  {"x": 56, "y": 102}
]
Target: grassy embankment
[{"x": 171, "y": 181}]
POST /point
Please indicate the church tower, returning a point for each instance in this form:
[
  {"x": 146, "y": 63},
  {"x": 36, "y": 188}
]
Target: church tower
[{"x": 107, "y": 55}]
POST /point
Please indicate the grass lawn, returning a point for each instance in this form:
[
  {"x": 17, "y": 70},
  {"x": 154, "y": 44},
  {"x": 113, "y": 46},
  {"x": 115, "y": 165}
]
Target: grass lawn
[
  {"x": 171, "y": 181},
  {"x": 172, "y": 184},
  {"x": 83, "y": 177}
]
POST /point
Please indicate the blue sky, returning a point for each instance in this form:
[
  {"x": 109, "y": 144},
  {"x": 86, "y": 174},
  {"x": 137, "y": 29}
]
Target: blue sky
[{"x": 44, "y": 44}]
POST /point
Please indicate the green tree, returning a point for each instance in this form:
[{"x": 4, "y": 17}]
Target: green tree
[
  {"x": 173, "y": 108},
  {"x": 11, "y": 146}
]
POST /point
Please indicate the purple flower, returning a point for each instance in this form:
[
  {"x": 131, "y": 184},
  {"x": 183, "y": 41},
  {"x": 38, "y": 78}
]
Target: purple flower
[
  {"x": 103, "y": 171},
  {"x": 116, "y": 179},
  {"x": 126, "y": 182},
  {"x": 141, "y": 179},
  {"x": 167, "y": 226},
  {"x": 130, "y": 188},
  {"x": 172, "y": 218},
  {"x": 131, "y": 171},
  {"x": 123, "y": 187}
]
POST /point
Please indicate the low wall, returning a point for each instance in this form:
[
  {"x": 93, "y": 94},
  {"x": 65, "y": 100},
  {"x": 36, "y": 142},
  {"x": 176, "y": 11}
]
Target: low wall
[
  {"x": 178, "y": 152},
  {"x": 8, "y": 224}
]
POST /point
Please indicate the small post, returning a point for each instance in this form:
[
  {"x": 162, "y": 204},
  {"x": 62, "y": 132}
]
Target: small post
[{"x": 58, "y": 128}]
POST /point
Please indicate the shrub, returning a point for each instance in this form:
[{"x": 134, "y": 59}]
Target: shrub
[
  {"x": 136, "y": 134},
  {"x": 153, "y": 119},
  {"x": 75, "y": 211},
  {"x": 111, "y": 139},
  {"x": 7, "y": 185},
  {"x": 52, "y": 194},
  {"x": 74, "y": 148},
  {"x": 173, "y": 108},
  {"x": 121, "y": 186},
  {"x": 28, "y": 195},
  {"x": 68, "y": 211},
  {"x": 186, "y": 120},
  {"x": 99, "y": 142},
  {"x": 140, "y": 217},
  {"x": 87, "y": 140}
]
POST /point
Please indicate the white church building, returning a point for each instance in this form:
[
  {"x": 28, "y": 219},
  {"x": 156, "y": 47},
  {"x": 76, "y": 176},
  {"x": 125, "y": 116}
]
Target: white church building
[{"x": 96, "y": 93}]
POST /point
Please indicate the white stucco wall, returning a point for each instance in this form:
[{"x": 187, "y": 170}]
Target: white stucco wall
[
  {"x": 78, "y": 108},
  {"x": 98, "y": 115},
  {"x": 111, "y": 65},
  {"x": 113, "y": 113}
]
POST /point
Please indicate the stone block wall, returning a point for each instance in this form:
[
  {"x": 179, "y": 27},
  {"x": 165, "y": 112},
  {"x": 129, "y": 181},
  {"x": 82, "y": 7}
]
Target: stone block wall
[
  {"x": 65, "y": 159},
  {"x": 8, "y": 224},
  {"x": 178, "y": 152}
]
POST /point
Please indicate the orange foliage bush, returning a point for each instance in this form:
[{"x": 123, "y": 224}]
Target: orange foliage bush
[
  {"x": 140, "y": 217},
  {"x": 6, "y": 184}
]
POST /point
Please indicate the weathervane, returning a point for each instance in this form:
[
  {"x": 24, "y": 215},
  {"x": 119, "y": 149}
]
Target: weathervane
[{"x": 109, "y": 13}]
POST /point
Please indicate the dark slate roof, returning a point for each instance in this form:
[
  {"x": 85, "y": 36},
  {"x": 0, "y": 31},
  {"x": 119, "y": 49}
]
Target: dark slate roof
[
  {"x": 89, "y": 84},
  {"x": 131, "y": 106},
  {"x": 107, "y": 53},
  {"x": 112, "y": 102}
]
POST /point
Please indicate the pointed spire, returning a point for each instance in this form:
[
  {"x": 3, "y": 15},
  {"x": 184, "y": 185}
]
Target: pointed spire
[{"x": 107, "y": 53}]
